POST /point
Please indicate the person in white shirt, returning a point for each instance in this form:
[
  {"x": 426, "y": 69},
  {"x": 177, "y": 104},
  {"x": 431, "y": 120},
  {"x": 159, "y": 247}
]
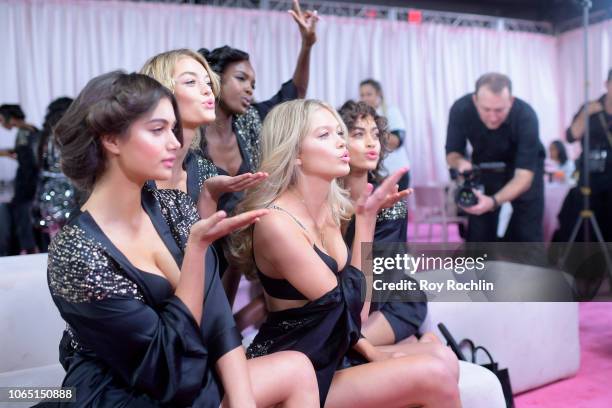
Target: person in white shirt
[
  {"x": 558, "y": 166},
  {"x": 370, "y": 92}
]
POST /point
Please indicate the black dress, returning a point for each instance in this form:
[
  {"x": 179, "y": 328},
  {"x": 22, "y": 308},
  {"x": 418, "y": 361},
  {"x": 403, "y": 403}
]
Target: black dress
[
  {"x": 404, "y": 317},
  {"x": 324, "y": 329},
  {"x": 247, "y": 128},
  {"x": 129, "y": 340}
]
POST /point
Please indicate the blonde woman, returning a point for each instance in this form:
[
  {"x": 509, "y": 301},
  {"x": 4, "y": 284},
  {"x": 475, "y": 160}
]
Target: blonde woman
[
  {"x": 312, "y": 283},
  {"x": 195, "y": 86}
]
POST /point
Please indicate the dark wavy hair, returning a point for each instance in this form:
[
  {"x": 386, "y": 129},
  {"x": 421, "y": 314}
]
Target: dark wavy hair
[
  {"x": 351, "y": 112},
  {"x": 108, "y": 105},
  {"x": 55, "y": 111},
  {"x": 221, "y": 57},
  {"x": 11, "y": 111},
  {"x": 560, "y": 151}
]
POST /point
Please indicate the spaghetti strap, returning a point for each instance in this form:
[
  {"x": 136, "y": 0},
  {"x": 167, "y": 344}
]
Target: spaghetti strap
[{"x": 293, "y": 217}]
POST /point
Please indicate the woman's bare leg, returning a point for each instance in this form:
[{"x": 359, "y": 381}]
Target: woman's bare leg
[
  {"x": 285, "y": 378},
  {"x": 430, "y": 345},
  {"x": 377, "y": 330},
  {"x": 411, "y": 381}
]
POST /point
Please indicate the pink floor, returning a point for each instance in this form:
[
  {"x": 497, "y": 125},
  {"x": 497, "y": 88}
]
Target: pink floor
[{"x": 592, "y": 386}]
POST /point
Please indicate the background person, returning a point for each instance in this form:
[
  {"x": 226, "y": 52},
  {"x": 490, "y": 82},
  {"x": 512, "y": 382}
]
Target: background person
[{"x": 500, "y": 128}]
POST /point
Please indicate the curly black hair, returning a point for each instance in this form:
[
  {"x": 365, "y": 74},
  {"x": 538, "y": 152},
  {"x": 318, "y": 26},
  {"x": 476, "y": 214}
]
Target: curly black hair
[
  {"x": 351, "y": 112},
  {"x": 221, "y": 57}
]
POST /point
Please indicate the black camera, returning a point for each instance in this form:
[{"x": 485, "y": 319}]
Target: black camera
[{"x": 465, "y": 196}]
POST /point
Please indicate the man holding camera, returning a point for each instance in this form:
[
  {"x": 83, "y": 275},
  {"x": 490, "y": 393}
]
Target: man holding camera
[
  {"x": 500, "y": 128},
  {"x": 600, "y": 167}
]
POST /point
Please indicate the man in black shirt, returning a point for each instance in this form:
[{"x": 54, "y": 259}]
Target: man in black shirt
[
  {"x": 500, "y": 128},
  {"x": 26, "y": 179},
  {"x": 600, "y": 164}
]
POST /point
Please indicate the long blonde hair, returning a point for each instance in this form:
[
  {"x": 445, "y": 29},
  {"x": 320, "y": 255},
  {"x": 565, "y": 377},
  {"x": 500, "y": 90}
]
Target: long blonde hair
[
  {"x": 283, "y": 131},
  {"x": 161, "y": 68}
]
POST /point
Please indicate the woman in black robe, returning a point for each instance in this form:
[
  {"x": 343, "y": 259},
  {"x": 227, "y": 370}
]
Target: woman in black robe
[
  {"x": 312, "y": 284},
  {"x": 391, "y": 320},
  {"x": 134, "y": 275}
]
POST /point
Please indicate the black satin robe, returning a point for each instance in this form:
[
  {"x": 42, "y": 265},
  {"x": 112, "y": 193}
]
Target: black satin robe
[
  {"x": 324, "y": 329},
  {"x": 129, "y": 340}
]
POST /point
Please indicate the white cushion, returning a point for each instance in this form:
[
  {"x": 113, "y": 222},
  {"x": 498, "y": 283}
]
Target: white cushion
[
  {"x": 30, "y": 323},
  {"x": 45, "y": 376},
  {"x": 479, "y": 387}
]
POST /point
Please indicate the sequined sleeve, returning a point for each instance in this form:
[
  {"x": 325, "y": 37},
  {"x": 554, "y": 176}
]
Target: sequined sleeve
[
  {"x": 206, "y": 169},
  {"x": 179, "y": 212},
  {"x": 156, "y": 350},
  {"x": 248, "y": 129},
  {"x": 396, "y": 212},
  {"x": 79, "y": 270}
]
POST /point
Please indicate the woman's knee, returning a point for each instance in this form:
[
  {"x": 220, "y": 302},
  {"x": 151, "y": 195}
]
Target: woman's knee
[
  {"x": 438, "y": 380},
  {"x": 447, "y": 356},
  {"x": 299, "y": 369}
]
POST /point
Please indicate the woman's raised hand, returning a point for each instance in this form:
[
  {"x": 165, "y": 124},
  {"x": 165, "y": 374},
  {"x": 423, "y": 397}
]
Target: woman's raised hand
[
  {"x": 307, "y": 21},
  {"x": 206, "y": 231},
  {"x": 387, "y": 194},
  {"x": 217, "y": 185},
  {"x": 395, "y": 196}
]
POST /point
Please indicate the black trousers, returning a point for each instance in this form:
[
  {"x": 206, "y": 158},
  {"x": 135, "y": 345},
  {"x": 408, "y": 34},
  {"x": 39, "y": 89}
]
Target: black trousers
[
  {"x": 6, "y": 232},
  {"x": 525, "y": 224},
  {"x": 16, "y": 224}
]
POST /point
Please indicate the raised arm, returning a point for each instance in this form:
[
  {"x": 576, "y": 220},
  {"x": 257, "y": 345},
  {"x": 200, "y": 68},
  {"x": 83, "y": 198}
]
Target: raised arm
[
  {"x": 202, "y": 235},
  {"x": 576, "y": 129},
  {"x": 366, "y": 211},
  {"x": 307, "y": 23}
]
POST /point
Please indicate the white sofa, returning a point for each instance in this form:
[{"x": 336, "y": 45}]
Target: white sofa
[
  {"x": 30, "y": 325},
  {"x": 537, "y": 341},
  {"x": 31, "y": 329}
]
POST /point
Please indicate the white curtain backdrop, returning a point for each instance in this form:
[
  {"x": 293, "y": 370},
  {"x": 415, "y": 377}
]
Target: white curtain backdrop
[
  {"x": 52, "y": 48},
  {"x": 571, "y": 66}
]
